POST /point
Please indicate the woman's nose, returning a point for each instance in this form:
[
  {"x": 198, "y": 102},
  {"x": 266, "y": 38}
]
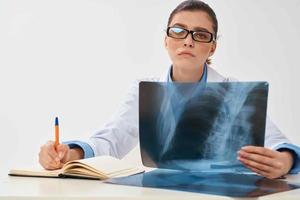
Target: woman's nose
[{"x": 188, "y": 41}]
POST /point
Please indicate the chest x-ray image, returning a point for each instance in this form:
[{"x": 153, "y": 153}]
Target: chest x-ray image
[
  {"x": 224, "y": 184},
  {"x": 198, "y": 127}
]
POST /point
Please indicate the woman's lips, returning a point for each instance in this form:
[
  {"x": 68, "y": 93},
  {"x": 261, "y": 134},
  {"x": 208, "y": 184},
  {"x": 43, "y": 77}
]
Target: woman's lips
[{"x": 186, "y": 53}]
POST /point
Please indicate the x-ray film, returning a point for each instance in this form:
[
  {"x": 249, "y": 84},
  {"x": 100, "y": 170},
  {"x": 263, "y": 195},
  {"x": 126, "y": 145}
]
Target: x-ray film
[
  {"x": 225, "y": 184},
  {"x": 200, "y": 127}
]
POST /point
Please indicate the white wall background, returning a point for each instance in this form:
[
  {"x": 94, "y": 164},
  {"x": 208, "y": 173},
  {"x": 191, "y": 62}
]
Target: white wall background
[{"x": 75, "y": 59}]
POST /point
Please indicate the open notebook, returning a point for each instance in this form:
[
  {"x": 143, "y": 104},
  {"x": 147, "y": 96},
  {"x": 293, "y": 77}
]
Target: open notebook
[{"x": 101, "y": 167}]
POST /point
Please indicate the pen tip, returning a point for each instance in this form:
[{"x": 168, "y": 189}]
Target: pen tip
[{"x": 56, "y": 121}]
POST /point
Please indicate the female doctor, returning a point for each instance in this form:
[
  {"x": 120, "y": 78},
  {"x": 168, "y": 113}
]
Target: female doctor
[{"x": 190, "y": 41}]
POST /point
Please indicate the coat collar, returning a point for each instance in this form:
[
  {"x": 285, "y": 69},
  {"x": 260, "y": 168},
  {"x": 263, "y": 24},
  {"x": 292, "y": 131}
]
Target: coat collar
[{"x": 212, "y": 75}]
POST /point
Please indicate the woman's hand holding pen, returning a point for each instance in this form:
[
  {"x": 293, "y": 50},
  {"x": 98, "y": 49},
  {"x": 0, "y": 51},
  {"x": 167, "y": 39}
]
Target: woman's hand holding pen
[
  {"x": 266, "y": 162},
  {"x": 54, "y": 157}
]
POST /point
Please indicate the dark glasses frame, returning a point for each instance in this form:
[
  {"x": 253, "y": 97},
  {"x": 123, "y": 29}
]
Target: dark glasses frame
[{"x": 212, "y": 38}]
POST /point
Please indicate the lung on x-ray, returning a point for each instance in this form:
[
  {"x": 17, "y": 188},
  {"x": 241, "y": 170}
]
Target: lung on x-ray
[{"x": 196, "y": 126}]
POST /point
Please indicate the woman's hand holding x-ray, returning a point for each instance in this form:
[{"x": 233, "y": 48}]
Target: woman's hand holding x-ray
[{"x": 266, "y": 162}]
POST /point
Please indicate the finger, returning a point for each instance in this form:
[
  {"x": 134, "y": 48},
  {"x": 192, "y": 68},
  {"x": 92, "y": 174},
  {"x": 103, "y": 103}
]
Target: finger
[
  {"x": 262, "y": 173},
  {"x": 62, "y": 151},
  {"x": 260, "y": 150},
  {"x": 47, "y": 158},
  {"x": 259, "y": 159},
  {"x": 253, "y": 164},
  {"x": 50, "y": 150},
  {"x": 48, "y": 163}
]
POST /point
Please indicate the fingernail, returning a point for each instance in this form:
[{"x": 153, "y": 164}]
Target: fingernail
[
  {"x": 60, "y": 155},
  {"x": 57, "y": 159}
]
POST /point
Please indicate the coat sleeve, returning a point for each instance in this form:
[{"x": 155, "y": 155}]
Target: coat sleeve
[
  {"x": 275, "y": 140},
  {"x": 120, "y": 134},
  {"x": 273, "y": 136}
]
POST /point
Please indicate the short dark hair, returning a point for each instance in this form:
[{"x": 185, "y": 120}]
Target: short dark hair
[{"x": 197, "y": 5}]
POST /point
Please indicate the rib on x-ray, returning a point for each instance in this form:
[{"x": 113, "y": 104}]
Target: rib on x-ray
[{"x": 200, "y": 126}]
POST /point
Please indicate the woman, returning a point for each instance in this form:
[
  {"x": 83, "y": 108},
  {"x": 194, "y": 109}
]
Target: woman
[{"x": 190, "y": 41}]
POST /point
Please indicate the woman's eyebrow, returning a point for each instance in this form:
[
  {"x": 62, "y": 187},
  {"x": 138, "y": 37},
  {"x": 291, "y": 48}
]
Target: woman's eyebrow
[
  {"x": 180, "y": 25},
  {"x": 198, "y": 28}
]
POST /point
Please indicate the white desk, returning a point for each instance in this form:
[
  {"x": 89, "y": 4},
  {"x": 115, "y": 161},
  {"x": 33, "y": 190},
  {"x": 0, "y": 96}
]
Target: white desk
[{"x": 52, "y": 188}]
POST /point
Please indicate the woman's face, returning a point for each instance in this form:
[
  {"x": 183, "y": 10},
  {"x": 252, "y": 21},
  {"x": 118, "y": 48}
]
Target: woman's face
[{"x": 187, "y": 53}]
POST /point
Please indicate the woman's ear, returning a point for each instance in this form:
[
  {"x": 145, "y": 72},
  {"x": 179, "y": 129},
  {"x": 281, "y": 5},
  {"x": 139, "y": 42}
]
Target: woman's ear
[
  {"x": 166, "y": 43},
  {"x": 213, "y": 49}
]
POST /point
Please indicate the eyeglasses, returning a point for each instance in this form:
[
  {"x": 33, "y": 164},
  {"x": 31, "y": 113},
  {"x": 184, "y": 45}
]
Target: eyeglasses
[{"x": 181, "y": 33}]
